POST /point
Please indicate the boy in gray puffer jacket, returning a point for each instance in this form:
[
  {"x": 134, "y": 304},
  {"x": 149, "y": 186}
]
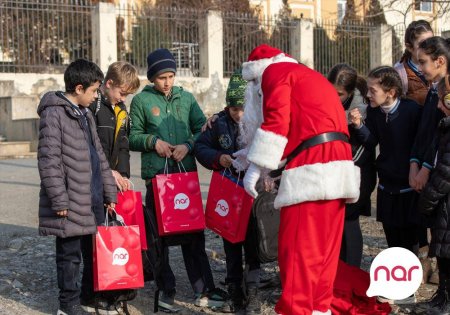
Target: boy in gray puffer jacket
[{"x": 76, "y": 181}]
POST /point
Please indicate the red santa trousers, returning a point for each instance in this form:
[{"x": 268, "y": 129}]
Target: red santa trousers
[{"x": 308, "y": 253}]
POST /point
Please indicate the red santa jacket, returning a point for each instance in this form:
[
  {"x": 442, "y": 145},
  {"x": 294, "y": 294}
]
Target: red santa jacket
[{"x": 299, "y": 103}]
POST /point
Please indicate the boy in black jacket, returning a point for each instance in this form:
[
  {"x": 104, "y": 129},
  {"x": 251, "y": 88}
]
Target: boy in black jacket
[
  {"x": 214, "y": 149},
  {"x": 111, "y": 117},
  {"x": 113, "y": 125}
]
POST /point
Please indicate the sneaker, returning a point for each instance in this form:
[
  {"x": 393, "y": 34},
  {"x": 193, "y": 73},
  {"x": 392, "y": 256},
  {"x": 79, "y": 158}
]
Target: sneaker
[
  {"x": 71, "y": 310},
  {"x": 166, "y": 302},
  {"x": 253, "y": 303},
  {"x": 212, "y": 298},
  {"x": 101, "y": 307},
  {"x": 235, "y": 301},
  {"x": 409, "y": 300}
]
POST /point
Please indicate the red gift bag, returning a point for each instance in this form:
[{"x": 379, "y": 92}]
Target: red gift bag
[
  {"x": 129, "y": 207},
  {"x": 228, "y": 207},
  {"x": 117, "y": 258},
  {"x": 178, "y": 203}
]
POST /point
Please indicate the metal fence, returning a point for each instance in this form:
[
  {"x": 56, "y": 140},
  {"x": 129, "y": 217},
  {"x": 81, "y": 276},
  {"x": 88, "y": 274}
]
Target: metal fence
[
  {"x": 243, "y": 32},
  {"x": 44, "y": 36},
  {"x": 336, "y": 43},
  {"x": 142, "y": 29}
]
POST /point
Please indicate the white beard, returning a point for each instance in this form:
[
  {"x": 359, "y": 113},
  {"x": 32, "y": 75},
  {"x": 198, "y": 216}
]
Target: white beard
[{"x": 251, "y": 121}]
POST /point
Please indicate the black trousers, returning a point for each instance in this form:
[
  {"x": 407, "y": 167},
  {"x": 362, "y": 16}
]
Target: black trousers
[
  {"x": 233, "y": 253},
  {"x": 194, "y": 255},
  {"x": 69, "y": 253},
  {"x": 352, "y": 243},
  {"x": 402, "y": 237},
  {"x": 444, "y": 269}
]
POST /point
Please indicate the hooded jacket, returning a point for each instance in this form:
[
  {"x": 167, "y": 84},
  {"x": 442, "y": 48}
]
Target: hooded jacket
[{"x": 65, "y": 169}]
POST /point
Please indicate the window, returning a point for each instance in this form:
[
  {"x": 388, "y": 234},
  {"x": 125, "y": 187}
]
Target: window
[
  {"x": 341, "y": 6},
  {"x": 425, "y": 6}
]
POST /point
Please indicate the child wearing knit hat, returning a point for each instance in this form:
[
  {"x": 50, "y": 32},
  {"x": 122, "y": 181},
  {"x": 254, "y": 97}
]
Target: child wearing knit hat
[
  {"x": 166, "y": 120},
  {"x": 214, "y": 149}
]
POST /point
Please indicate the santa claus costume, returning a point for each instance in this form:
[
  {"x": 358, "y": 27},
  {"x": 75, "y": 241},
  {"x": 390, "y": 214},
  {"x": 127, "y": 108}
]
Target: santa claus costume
[{"x": 299, "y": 104}]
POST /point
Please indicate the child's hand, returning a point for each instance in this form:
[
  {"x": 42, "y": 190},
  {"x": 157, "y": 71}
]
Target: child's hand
[
  {"x": 121, "y": 182},
  {"x": 62, "y": 213},
  {"x": 209, "y": 122},
  {"x": 355, "y": 117},
  {"x": 413, "y": 171},
  {"x": 225, "y": 160},
  {"x": 163, "y": 148},
  {"x": 111, "y": 207},
  {"x": 179, "y": 152},
  {"x": 422, "y": 178}
]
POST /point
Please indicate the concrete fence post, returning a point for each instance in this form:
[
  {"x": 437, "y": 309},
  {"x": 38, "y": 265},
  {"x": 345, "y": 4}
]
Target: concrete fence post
[
  {"x": 381, "y": 46},
  {"x": 302, "y": 41},
  {"x": 211, "y": 45},
  {"x": 104, "y": 35}
]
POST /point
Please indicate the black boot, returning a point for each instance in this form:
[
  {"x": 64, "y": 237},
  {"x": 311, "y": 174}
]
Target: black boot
[
  {"x": 253, "y": 302},
  {"x": 235, "y": 300},
  {"x": 439, "y": 303}
]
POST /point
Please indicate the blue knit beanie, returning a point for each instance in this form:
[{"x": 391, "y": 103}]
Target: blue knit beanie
[{"x": 160, "y": 61}]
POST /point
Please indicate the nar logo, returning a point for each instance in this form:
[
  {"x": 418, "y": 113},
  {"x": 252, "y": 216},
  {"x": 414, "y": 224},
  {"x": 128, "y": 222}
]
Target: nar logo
[
  {"x": 222, "y": 208},
  {"x": 396, "y": 273},
  {"x": 181, "y": 201},
  {"x": 120, "y": 256}
]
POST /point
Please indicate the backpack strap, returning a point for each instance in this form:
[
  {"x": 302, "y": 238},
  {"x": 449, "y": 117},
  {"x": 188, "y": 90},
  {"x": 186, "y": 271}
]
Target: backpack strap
[{"x": 400, "y": 68}]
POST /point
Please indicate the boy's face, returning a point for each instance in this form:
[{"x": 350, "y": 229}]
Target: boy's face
[
  {"x": 116, "y": 94},
  {"x": 84, "y": 97},
  {"x": 164, "y": 82},
  {"x": 236, "y": 113}
]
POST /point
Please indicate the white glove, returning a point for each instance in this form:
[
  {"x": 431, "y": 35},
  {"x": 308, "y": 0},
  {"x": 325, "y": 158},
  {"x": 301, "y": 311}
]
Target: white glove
[
  {"x": 240, "y": 162},
  {"x": 251, "y": 177}
]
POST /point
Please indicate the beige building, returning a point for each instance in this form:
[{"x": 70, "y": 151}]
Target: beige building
[
  {"x": 307, "y": 9},
  {"x": 396, "y": 11}
]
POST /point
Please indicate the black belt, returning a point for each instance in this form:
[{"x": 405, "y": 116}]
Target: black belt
[{"x": 319, "y": 139}]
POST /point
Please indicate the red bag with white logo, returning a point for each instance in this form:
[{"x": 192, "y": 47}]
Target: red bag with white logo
[
  {"x": 129, "y": 207},
  {"x": 117, "y": 258},
  {"x": 178, "y": 203},
  {"x": 228, "y": 207}
]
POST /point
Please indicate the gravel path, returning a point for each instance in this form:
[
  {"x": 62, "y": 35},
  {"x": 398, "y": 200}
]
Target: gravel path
[{"x": 27, "y": 261}]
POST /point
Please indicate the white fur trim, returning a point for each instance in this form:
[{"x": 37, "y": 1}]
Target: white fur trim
[
  {"x": 267, "y": 149},
  {"x": 254, "y": 69},
  {"x": 320, "y": 181},
  {"x": 321, "y": 313}
]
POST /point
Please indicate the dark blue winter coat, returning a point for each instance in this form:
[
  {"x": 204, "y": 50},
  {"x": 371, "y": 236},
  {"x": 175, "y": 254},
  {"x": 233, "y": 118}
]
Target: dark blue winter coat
[{"x": 215, "y": 141}]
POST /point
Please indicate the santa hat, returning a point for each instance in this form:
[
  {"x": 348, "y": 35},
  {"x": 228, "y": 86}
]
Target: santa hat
[{"x": 260, "y": 58}]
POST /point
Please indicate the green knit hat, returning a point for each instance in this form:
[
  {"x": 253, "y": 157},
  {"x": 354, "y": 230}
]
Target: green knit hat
[{"x": 236, "y": 90}]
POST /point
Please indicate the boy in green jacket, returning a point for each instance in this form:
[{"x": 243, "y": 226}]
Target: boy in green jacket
[{"x": 165, "y": 122}]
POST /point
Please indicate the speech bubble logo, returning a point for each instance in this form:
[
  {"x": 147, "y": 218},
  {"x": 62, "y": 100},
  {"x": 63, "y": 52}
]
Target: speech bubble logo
[
  {"x": 120, "y": 256},
  {"x": 222, "y": 208},
  {"x": 395, "y": 273},
  {"x": 181, "y": 201}
]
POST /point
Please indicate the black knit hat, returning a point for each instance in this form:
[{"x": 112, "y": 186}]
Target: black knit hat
[
  {"x": 160, "y": 61},
  {"x": 236, "y": 90}
]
